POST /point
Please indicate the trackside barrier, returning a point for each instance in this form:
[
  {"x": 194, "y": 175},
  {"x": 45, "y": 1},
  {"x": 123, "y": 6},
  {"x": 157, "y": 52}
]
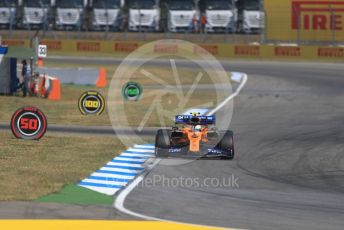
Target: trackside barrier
[
  {"x": 242, "y": 51},
  {"x": 50, "y": 87},
  {"x": 78, "y": 76}
]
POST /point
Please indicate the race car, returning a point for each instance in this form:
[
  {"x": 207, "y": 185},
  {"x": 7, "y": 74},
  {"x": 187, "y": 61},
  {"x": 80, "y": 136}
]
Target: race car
[{"x": 194, "y": 136}]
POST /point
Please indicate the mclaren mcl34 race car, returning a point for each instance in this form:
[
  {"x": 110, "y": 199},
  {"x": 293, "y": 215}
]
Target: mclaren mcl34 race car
[{"x": 194, "y": 136}]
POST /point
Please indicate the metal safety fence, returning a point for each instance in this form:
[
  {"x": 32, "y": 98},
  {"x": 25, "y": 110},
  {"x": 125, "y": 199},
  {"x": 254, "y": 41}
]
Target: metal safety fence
[{"x": 303, "y": 22}]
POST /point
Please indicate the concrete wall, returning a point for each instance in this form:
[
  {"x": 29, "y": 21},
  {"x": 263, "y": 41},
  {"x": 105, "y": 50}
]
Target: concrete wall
[
  {"x": 5, "y": 74},
  {"x": 77, "y": 76}
]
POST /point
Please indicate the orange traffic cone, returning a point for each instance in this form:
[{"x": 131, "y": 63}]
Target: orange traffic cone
[
  {"x": 101, "y": 82},
  {"x": 55, "y": 93},
  {"x": 40, "y": 62}
]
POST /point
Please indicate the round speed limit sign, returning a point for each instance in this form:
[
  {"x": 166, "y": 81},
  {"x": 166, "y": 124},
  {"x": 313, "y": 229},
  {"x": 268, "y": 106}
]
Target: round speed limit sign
[
  {"x": 91, "y": 103},
  {"x": 29, "y": 123}
]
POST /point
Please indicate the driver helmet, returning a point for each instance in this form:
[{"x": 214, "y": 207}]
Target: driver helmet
[{"x": 198, "y": 128}]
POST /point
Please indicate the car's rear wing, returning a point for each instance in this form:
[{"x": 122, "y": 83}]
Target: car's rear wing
[{"x": 195, "y": 120}]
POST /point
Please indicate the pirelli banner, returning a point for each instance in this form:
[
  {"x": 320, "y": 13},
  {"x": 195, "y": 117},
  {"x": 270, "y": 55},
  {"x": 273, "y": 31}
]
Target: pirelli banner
[
  {"x": 305, "y": 20},
  {"x": 84, "y": 46},
  {"x": 16, "y": 42},
  {"x": 319, "y": 53},
  {"x": 241, "y": 51}
]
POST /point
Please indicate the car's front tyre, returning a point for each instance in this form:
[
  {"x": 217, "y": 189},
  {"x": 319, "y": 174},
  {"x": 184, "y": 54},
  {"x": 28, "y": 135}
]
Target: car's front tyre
[{"x": 162, "y": 141}]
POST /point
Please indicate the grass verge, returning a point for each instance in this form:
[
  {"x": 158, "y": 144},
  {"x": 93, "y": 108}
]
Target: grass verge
[{"x": 32, "y": 169}]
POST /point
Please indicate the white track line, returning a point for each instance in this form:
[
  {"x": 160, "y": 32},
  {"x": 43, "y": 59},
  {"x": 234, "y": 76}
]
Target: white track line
[
  {"x": 136, "y": 155},
  {"x": 125, "y": 164},
  {"x": 112, "y": 176},
  {"x": 120, "y": 158},
  {"x": 110, "y": 181},
  {"x": 120, "y": 199},
  {"x": 104, "y": 168},
  {"x": 141, "y": 150},
  {"x": 233, "y": 95},
  {"x": 107, "y": 191}
]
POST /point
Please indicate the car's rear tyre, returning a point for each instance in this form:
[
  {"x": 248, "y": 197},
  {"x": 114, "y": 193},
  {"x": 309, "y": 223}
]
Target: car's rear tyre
[{"x": 227, "y": 144}]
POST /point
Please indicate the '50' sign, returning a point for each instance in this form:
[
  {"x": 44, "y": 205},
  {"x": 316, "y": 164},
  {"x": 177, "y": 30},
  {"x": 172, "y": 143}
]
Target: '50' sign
[{"x": 29, "y": 123}]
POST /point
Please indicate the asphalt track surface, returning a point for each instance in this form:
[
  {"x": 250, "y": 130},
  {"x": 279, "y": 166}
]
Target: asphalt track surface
[{"x": 289, "y": 166}]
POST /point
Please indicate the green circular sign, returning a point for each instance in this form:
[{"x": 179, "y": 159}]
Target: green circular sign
[{"x": 132, "y": 91}]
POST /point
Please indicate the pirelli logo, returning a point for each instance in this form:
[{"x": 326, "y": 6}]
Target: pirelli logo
[
  {"x": 203, "y": 49},
  {"x": 330, "y": 52},
  {"x": 165, "y": 48},
  {"x": 13, "y": 42},
  {"x": 317, "y": 15},
  {"x": 281, "y": 51},
  {"x": 247, "y": 51},
  {"x": 88, "y": 46},
  {"x": 125, "y": 47},
  {"x": 53, "y": 45}
]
